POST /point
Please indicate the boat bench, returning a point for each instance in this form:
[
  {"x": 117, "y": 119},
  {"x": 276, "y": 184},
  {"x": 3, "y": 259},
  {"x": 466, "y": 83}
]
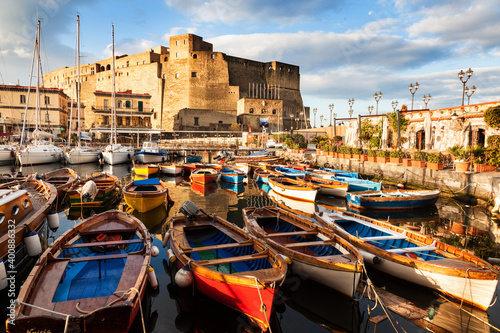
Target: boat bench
[
  {"x": 377, "y": 238},
  {"x": 103, "y": 257},
  {"x": 110, "y": 231},
  {"x": 260, "y": 255},
  {"x": 122, "y": 242},
  {"x": 216, "y": 247},
  {"x": 431, "y": 247},
  {"x": 292, "y": 233},
  {"x": 314, "y": 243}
]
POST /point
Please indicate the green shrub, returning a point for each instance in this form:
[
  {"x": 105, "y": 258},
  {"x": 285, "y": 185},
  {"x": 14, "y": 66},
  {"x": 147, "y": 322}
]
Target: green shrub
[
  {"x": 420, "y": 156},
  {"x": 326, "y": 148},
  {"x": 397, "y": 154},
  {"x": 372, "y": 153},
  {"x": 302, "y": 145},
  {"x": 383, "y": 153},
  {"x": 459, "y": 153},
  {"x": 494, "y": 141},
  {"x": 374, "y": 142},
  {"x": 435, "y": 158},
  {"x": 492, "y": 116},
  {"x": 357, "y": 151}
]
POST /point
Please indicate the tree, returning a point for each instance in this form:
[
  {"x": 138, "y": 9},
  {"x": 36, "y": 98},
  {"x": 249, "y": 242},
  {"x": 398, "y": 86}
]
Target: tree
[
  {"x": 393, "y": 122},
  {"x": 492, "y": 116}
]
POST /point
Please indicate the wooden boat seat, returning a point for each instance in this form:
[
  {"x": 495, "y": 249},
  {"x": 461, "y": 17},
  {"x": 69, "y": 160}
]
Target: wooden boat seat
[
  {"x": 103, "y": 257},
  {"x": 216, "y": 247},
  {"x": 313, "y": 243},
  {"x": 121, "y": 242},
  {"x": 292, "y": 233},
  {"x": 377, "y": 238},
  {"x": 260, "y": 255},
  {"x": 104, "y": 231},
  {"x": 262, "y": 275},
  {"x": 431, "y": 247}
]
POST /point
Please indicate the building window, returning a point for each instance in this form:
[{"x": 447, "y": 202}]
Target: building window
[
  {"x": 220, "y": 121},
  {"x": 92, "y": 71},
  {"x": 140, "y": 106},
  {"x": 47, "y": 100},
  {"x": 119, "y": 121},
  {"x": 270, "y": 67},
  {"x": 106, "y": 104},
  {"x": 263, "y": 111},
  {"x": 166, "y": 58},
  {"x": 193, "y": 74},
  {"x": 119, "y": 104},
  {"x": 23, "y": 99},
  {"x": 177, "y": 54},
  {"x": 128, "y": 104},
  {"x": 196, "y": 121},
  {"x": 274, "y": 111},
  {"x": 176, "y": 42},
  {"x": 106, "y": 120},
  {"x": 176, "y": 75},
  {"x": 127, "y": 121},
  {"x": 137, "y": 63},
  {"x": 185, "y": 41},
  {"x": 154, "y": 115},
  {"x": 251, "y": 110},
  {"x": 139, "y": 121},
  {"x": 195, "y": 56},
  {"x": 144, "y": 62},
  {"x": 213, "y": 56}
]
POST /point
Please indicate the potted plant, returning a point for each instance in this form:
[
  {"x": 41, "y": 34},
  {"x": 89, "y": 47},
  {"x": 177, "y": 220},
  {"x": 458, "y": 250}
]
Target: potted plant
[
  {"x": 461, "y": 158},
  {"x": 396, "y": 156},
  {"x": 418, "y": 159},
  {"x": 325, "y": 150},
  {"x": 383, "y": 156},
  {"x": 357, "y": 153},
  {"x": 481, "y": 157},
  {"x": 435, "y": 161},
  {"x": 372, "y": 155},
  {"x": 302, "y": 147}
]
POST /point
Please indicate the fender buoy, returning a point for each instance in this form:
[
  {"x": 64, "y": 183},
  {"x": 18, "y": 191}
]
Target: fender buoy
[
  {"x": 3, "y": 276},
  {"x": 152, "y": 277},
  {"x": 53, "y": 220},
  {"x": 166, "y": 238},
  {"x": 32, "y": 243},
  {"x": 128, "y": 156},
  {"x": 184, "y": 277},
  {"x": 12, "y": 154},
  {"x": 171, "y": 255},
  {"x": 154, "y": 251},
  {"x": 101, "y": 237}
]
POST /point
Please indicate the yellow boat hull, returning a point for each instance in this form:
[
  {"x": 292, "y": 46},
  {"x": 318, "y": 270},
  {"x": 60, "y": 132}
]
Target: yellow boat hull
[{"x": 145, "y": 204}]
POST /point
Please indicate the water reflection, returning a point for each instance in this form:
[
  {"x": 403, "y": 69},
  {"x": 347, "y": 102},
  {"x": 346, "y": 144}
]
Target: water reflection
[
  {"x": 233, "y": 188},
  {"x": 152, "y": 219},
  {"x": 204, "y": 189}
]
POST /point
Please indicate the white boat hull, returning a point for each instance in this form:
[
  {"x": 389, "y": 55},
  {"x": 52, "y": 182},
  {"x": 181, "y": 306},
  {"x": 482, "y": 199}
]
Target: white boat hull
[
  {"x": 80, "y": 157},
  {"x": 7, "y": 155},
  {"x": 40, "y": 155},
  {"x": 338, "y": 192},
  {"x": 117, "y": 157},
  {"x": 300, "y": 195},
  {"x": 344, "y": 282},
  {"x": 145, "y": 158},
  {"x": 171, "y": 169}
]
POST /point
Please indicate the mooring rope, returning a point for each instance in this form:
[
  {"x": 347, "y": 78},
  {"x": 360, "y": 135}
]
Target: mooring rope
[{"x": 47, "y": 310}]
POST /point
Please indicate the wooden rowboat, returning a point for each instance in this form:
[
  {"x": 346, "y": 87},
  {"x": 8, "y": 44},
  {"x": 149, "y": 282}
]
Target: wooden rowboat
[
  {"x": 293, "y": 188},
  {"x": 145, "y": 169},
  {"x": 392, "y": 199},
  {"x": 204, "y": 189},
  {"x": 316, "y": 252},
  {"x": 63, "y": 179},
  {"x": 226, "y": 263},
  {"x": 417, "y": 258},
  {"x": 145, "y": 195},
  {"x": 26, "y": 203},
  {"x": 189, "y": 167},
  {"x": 91, "y": 279},
  {"x": 204, "y": 176},
  {"x": 290, "y": 172},
  {"x": 358, "y": 185},
  {"x": 261, "y": 175},
  {"x": 171, "y": 169},
  {"x": 329, "y": 187},
  {"x": 231, "y": 175},
  {"x": 107, "y": 188}
]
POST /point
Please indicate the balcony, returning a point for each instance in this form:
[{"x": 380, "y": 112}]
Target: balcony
[{"x": 106, "y": 111}]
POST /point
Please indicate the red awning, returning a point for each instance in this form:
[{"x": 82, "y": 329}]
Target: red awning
[{"x": 6, "y": 134}]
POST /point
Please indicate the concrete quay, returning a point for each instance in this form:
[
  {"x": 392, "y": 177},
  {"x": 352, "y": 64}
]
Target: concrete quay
[{"x": 485, "y": 185}]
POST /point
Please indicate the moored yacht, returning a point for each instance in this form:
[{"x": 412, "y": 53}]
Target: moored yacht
[{"x": 151, "y": 153}]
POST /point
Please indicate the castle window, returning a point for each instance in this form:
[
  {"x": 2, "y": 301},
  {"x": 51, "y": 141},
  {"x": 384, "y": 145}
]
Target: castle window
[
  {"x": 289, "y": 70},
  {"x": 263, "y": 111},
  {"x": 193, "y": 74},
  {"x": 213, "y": 56},
  {"x": 137, "y": 63},
  {"x": 92, "y": 71},
  {"x": 22, "y": 99},
  {"x": 108, "y": 67},
  {"x": 166, "y": 58},
  {"x": 196, "y": 119},
  {"x": 47, "y": 100},
  {"x": 251, "y": 110},
  {"x": 127, "y": 63},
  {"x": 102, "y": 68},
  {"x": 270, "y": 67},
  {"x": 176, "y": 42},
  {"x": 144, "y": 62},
  {"x": 274, "y": 111},
  {"x": 154, "y": 115},
  {"x": 177, "y": 75},
  {"x": 281, "y": 68},
  {"x": 220, "y": 121},
  {"x": 245, "y": 64},
  {"x": 177, "y": 54},
  {"x": 195, "y": 56},
  {"x": 185, "y": 41}
]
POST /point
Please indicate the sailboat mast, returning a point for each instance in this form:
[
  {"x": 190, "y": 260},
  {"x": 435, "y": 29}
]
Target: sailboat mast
[
  {"x": 78, "y": 77},
  {"x": 37, "y": 105},
  {"x": 113, "y": 97}
]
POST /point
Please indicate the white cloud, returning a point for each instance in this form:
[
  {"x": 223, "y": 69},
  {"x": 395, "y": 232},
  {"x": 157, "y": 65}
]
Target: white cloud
[{"x": 129, "y": 46}]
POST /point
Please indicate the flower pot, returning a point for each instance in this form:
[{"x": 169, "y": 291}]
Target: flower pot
[
  {"x": 395, "y": 160},
  {"x": 355, "y": 156},
  {"x": 484, "y": 168},
  {"x": 372, "y": 158},
  {"x": 418, "y": 164},
  {"x": 331, "y": 153},
  {"x": 434, "y": 166},
  {"x": 406, "y": 161},
  {"x": 382, "y": 159},
  {"x": 318, "y": 151},
  {"x": 461, "y": 166},
  {"x": 363, "y": 157},
  {"x": 302, "y": 150}
]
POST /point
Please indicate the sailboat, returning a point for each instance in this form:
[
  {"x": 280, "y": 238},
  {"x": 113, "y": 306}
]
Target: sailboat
[
  {"x": 40, "y": 152},
  {"x": 115, "y": 153},
  {"x": 79, "y": 154}
]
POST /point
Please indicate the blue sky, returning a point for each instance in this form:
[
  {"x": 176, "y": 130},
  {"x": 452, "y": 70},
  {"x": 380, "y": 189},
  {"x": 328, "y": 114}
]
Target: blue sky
[{"x": 345, "y": 49}]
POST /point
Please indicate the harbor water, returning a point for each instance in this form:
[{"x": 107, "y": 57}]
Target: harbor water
[{"x": 301, "y": 305}]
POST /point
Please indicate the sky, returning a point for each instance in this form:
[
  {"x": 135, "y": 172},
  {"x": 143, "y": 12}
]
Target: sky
[{"x": 346, "y": 49}]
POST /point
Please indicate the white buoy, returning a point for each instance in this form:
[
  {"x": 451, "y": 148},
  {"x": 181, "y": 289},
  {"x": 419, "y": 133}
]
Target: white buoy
[
  {"x": 154, "y": 251},
  {"x": 171, "y": 255},
  {"x": 166, "y": 238},
  {"x": 152, "y": 277},
  {"x": 184, "y": 277},
  {"x": 287, "y": 259},
  {"x": 53, "y": 220},
  {"x": 3, "y": 276},
  {"x": 32, "y": 244}
]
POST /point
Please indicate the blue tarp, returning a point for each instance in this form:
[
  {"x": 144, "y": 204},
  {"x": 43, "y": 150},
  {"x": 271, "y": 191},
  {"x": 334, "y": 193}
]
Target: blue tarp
[{"x": 152, "y": 181}]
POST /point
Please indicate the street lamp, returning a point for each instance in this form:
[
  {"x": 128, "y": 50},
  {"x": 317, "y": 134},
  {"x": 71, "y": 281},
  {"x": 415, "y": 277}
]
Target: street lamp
[
  {"x": 426, "y": 99},
  {"x": 291, "y": 121},
  {"x": 461, "y": 76},
  {"x": 331, "y": 112},
  {"x": 321, "y": 120},
  {"x": 412, "y": 92},
  {"x": 377, "y": 98},
  {"x": 472, "y": 91},
  {"x": 351, "y": 102},
  {"x": 370, "y": 109},
  {"x": 315, "y": 110},
  {"x": 394, "y": 105}
]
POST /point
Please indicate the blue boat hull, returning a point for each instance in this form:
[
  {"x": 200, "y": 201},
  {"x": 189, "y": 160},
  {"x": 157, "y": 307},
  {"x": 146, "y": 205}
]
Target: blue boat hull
[{"x": 357, "y": 202}]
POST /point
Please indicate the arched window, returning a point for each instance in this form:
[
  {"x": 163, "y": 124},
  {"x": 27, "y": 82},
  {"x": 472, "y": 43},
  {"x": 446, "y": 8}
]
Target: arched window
[
  {"x": 274, "y": 111},
  {"x": 195, "y": 56},
  {"x": 102, "y": 68},
  {"x": 108, "y": 67},
  {"x": 251, "y": 110},
  {"x": 166, "y": 58}
]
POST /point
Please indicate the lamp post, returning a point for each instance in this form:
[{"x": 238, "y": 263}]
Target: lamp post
[
  {"x": 394, "y": 105},
  {"x": 331, "y": 106},
  {"x": 370, "y": 109},
  {"x": 321, "y": 120},
  {"x": 426, "y": 99},
  {"x": 315, "y": 110},
  {"x": 291, "y": 121},
  {"x": 377, "y": 98},
  {"x": 351, "y": 102},
  {"x": 461, "y": 76},
  {"x": 472, "y": 91},
  {"x": 412, "y": 92}
]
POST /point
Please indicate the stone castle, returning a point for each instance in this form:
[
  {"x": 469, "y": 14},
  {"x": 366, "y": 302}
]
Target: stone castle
[{"x": 186, "y": 86}]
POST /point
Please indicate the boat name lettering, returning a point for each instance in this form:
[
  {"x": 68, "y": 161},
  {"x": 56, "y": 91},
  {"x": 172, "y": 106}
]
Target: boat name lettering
[{"x": 32, "y": 330}]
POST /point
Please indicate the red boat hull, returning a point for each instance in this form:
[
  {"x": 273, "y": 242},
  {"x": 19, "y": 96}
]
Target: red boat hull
[{"x": 204, "y": 178}]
